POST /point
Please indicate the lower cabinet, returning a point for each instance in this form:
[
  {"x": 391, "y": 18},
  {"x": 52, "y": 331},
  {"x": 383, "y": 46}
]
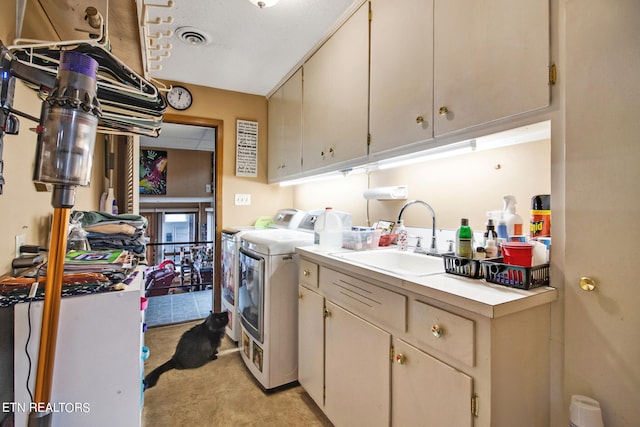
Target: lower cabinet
[
  {"x": 375, "y": 354},
  {"x": 311, "y": 343},
  {"x": 356, "y": 370},
  {"x": 424, "y": 388}
]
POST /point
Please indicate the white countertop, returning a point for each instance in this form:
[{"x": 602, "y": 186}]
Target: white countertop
[{"x": 475, "y": 295}]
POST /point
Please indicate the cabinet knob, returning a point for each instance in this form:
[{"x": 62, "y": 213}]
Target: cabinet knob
[
  {"x": 400, "y": 359},
  {"x": 443, "y": 111},
  {"x": 327, "y": 313},
  {"x": 587, "y": 284},
  {"x": 331, "y": 151},
  {"x": 419, "y": 120},
  {"x": 322, "y": 154},
  {"x": 437, "y": 331},
  {"x": 306, "y": 273},
  {"x": 300, "y": 294}
]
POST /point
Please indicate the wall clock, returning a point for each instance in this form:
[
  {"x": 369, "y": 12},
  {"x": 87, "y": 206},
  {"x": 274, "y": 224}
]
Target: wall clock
[{"x": 179, "y": 98}]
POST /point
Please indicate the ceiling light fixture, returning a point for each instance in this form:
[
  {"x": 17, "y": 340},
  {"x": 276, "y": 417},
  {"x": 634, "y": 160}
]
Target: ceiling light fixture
[{"x": 264, "y": 3}]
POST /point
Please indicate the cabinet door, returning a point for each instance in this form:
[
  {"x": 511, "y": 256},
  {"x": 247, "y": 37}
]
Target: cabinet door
[
  {"x": 428, "y": 392},
  {"x": 285, "y": 129},
  {"x": 311, "y": 343},
  {"x": 491, "y": 61},
  {"x": 336, "y": 96},
  {"x": 357, "y": 369},
  {"x": 274, "y": 135},
  {"x": 401, "y": 95}
]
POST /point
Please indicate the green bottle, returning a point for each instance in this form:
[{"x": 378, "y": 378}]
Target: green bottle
[{"x": 464, "y": 240}]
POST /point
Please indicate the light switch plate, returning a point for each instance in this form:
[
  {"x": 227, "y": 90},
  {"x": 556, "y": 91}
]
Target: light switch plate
[{"x": 243, "y": 199}]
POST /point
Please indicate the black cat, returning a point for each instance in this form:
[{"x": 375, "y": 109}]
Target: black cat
[{"x": 196, "y": 347}]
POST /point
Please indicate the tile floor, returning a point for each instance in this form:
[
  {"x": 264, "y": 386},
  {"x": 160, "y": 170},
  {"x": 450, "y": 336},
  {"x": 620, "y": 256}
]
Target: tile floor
[{"x": 178, "y": 308}]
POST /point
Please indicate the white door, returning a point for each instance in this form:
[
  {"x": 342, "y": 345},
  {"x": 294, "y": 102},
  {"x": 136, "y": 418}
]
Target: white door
[
  {"x": 357, "y": 371},
  {"x": 427, "y": 391},
  {"x": 602, "y": 136},
  {"x": 311, "y": 343}
]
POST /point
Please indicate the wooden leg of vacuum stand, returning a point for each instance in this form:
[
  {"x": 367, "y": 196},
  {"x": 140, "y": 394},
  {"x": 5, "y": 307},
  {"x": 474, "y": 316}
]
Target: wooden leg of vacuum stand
[{"x": 50, "y": 315}]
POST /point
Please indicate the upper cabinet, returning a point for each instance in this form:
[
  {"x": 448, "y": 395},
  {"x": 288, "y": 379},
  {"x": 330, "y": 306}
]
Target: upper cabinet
[
  {"x": 285, "y": 129},
  {"x": 491, "y": 61},
  {"x": 336, "y": 97},
  {"x": 415, "y": 73},
  {"x": 401, "y": 103}
]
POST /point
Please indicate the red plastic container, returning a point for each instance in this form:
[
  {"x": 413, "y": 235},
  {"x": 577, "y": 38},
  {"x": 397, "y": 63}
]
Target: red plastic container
[{"x": 517, "y": 253}]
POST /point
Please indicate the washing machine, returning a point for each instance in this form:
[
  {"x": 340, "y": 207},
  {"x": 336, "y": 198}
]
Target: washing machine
[
  {"x": 231, "y": 236},
  {"x": 268, "y": 300}
]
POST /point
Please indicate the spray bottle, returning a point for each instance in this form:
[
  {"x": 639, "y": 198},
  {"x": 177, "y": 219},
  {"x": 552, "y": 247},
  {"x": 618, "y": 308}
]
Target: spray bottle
[
  {"x": 502, "y": 232},
  {"x": 513, "y": 220}
]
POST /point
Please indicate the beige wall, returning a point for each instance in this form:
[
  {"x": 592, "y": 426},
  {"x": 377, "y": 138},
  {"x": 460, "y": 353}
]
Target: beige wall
[
  {"x": 188, "y": 171},
  {"x": 230, "y": 106},
  {"x": 464, "y": 186}
]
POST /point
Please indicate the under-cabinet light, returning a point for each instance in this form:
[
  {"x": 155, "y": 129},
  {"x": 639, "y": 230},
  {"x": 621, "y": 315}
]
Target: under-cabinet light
[{"x": 325, "y": 176}]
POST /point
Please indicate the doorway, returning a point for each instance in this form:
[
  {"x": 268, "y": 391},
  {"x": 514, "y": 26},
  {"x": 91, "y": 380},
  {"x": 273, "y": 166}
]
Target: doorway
[{"x": 186, "y": 224}]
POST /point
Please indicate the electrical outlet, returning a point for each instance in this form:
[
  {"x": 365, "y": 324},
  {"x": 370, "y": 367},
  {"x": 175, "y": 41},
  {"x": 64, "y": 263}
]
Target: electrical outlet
[
  {"x": 20, "y": 240},
  {"x": 243, "y": 199},
  {"x": 207, "y": 188}
]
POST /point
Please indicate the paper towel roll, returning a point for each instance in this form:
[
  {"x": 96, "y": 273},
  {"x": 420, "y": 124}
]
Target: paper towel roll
[{"x": 398, "y": 192}]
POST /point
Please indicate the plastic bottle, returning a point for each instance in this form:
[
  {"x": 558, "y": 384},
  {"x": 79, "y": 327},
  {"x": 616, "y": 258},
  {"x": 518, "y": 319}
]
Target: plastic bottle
[
  {"x": 403, "y": 236},
  {"x": 540, "y": 216},
  {"x": 490, "y": 234},
  {"x": 464, "y": 240},
  {"x": 109, "y": 201},
  {"x": 491, "y": 249},
  {"x": 513, "y": 220},
  {"x": 328, "y": 229}
]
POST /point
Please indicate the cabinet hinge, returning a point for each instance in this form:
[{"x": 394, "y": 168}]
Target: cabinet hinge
[
  {"x": 368, "y": 139},
  {"x": 474, "y": 405},
  {"x": 552, "y": 74},
  {"x": 391, "y": 353}
]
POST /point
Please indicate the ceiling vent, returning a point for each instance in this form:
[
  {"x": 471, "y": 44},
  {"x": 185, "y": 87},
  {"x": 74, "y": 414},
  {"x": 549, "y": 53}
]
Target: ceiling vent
[{"x": 193, "y": 36}]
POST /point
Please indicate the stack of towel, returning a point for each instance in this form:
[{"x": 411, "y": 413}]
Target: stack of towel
[{"x": 124, "y": 231}]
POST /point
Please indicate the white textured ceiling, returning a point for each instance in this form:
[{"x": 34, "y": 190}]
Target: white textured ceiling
[
  {"x": 184, "y": 137},
  {"x": 251, "y": 49}
]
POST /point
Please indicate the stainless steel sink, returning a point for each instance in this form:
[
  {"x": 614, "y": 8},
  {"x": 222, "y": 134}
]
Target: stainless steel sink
[{"x": 395, "y": 261}]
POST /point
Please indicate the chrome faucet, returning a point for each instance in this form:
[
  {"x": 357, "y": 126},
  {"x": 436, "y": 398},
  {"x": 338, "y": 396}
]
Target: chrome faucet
[{"x": 433, "y": 250}]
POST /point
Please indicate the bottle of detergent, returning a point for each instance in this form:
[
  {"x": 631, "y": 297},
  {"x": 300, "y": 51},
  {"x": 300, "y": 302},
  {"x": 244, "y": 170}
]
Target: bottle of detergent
[
  {"x": 513, "y": 220},
  {"x": 328, "y": 229},
  {"x": 464, "y": 240}
]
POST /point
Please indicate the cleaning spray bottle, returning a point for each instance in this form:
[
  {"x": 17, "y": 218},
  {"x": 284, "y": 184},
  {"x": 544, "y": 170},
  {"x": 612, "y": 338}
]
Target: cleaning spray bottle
[
  {"x": 501, "y": 230},
  {"x": 513, "y": 220}
]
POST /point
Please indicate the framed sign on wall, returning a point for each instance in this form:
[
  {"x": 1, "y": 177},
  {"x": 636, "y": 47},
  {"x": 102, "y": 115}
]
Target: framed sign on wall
[{"x": 246, "y": 148}]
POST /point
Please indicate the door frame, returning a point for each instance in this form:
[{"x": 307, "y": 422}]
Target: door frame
[{"x": 217, "y": 192}]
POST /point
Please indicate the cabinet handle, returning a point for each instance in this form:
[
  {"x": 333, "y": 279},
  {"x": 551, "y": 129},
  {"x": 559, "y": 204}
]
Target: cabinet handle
[
  {"x": 437, "y": 331},
  {"x": 587, "y": 284},
  {"x": 419, "y": 120},
  {"x": 443, "y": 111},
  {"x": 306, "y": 273},
  {"x": 327, "y": 313},
  {"x": 400, "y": 359}
]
